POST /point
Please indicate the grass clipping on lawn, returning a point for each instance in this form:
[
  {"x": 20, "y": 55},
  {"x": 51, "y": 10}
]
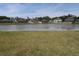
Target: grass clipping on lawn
[{"x": 39, "y": 43}]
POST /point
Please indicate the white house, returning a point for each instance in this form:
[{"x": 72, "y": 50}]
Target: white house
[
  {"x": 39, "y": 22},
  {"x": 57, "y": 20},
  {"x": 30, "y": 22}
]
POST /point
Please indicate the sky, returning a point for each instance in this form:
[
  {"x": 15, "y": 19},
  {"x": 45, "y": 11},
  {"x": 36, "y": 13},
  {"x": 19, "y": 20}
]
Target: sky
[{"x": 38, "y": 9}]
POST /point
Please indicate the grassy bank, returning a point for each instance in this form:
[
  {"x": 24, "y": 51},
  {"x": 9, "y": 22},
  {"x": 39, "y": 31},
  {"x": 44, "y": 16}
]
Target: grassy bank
[
  {"x": 67, "y": 23},
  {"x": 13, "y": 23},
  {"x": 39, "y": 43}
]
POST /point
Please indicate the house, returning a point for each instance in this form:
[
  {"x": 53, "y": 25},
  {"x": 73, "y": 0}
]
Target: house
[
  {"x": 57, "y": 20},
  {"x": 77, "y": 20},
  {"x": 44, "y": 21},
  {"x": 39, "y": 22},
  {"x": 5, "y": 21},
  {"x": 69, "y": 19},
  {"x": 34, "y": 21},
  {"x": 21, "y": 20},
  {"x": 30, "y": 22},
  {"x": 50, "y": 21},
  {"x": 13, "y": 19}
]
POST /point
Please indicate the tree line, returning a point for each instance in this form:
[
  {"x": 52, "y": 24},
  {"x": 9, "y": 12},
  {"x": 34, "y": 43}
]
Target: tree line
[{"x": 44, "y": 19}]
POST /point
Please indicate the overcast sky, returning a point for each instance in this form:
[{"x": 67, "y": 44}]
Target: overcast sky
[{"x": 36, "y": 9}]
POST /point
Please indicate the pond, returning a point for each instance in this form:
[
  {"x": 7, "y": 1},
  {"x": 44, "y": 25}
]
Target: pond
[{"x": 39, "y": 27}]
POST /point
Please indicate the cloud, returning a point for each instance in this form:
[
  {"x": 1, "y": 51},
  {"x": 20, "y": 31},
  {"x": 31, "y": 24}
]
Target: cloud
[
  {"x": 34, "y": 10},
  {"x": 8, "y": 9},
  {"x": 48, "y": 11}
]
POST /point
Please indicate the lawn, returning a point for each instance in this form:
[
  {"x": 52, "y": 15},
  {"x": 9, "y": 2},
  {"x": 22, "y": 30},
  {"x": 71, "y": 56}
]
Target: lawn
[{"x": 39, "y": 43}]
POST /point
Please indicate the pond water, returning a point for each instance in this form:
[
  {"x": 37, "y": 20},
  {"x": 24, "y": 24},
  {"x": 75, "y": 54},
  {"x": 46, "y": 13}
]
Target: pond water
[{"x": 39, "y": 27}]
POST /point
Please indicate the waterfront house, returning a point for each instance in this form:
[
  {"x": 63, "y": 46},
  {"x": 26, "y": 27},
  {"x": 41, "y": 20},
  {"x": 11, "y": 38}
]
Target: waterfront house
[
  {"x": 69, "y": 19},
  {"x": 57, "y": 20},
  {"x": 13, "y": 19},
  {"x": 44, "y": 21},
  {"x": 77, "y": 20},
  {"x": 39, "y": 22},
  {"x": 5, "y": 21},
  {"x": 30, "y": 22},
  {"x": 50, "y": 21}
]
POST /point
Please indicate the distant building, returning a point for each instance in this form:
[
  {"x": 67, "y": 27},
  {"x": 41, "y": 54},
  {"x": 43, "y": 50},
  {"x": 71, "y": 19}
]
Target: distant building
[
  {"x": 50, "y": 21},
  {"x": 69, "y": 19},
  {"x": 39, "y": 22},
  {"x": 77, "y": 20},
  {"x": 57, "y": 20},
  {"x": 5, "y": 20},
  {"x": 44, "y": 21},
  {"x": 13, "y": 19},
  {"x": 30, "y": 22},
  {"x": 36, "y": 21}
]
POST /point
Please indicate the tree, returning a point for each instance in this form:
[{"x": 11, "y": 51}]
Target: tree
[
  {"x": 47, "y": 18},
  {"x": 40, "y": 18},
  {"x": 63, "y": 18},
  {"x": 4, "y": 17}
]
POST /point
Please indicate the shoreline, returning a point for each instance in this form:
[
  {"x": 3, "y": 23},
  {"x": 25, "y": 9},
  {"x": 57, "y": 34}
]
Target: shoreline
[{"x": 67, "y": 23}]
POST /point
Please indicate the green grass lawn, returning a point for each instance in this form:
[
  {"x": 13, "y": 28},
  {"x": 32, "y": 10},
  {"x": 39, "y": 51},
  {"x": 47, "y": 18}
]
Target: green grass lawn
[{"x": 39, "y": 43}]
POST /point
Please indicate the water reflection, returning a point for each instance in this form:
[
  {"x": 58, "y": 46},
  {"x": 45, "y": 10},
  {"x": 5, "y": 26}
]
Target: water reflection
[{"x": 39, "y": 27}]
